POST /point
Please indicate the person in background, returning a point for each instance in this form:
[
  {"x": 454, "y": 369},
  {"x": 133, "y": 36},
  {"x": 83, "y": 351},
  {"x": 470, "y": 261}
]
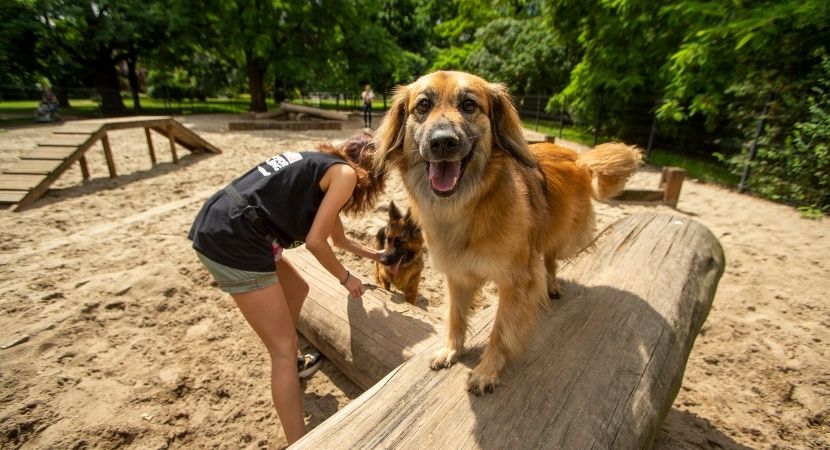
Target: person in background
[
  {"x": 290, "y": 199},
  {"x": 368, "y": 97}
]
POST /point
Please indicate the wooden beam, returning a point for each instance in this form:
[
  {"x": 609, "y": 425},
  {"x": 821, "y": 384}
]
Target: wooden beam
[
  {"x": 153, "y": 160},
  {"x": 601, "y": 371},
  {"x": 671, "y": 180},
  {"x": 84, "y": 168},
  {"x": 105, "y": 140},
  {"x": 317, "y": 112},
  {"x": 172, "y": 138}
]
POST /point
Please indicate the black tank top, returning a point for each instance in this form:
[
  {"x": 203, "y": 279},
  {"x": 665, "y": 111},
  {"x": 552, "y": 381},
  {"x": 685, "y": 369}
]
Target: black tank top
[{"x": 286, "y": 192}]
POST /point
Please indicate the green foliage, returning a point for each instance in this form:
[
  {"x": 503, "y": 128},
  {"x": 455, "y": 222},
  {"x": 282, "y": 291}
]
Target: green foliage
[{"x": 799, "y": 171}]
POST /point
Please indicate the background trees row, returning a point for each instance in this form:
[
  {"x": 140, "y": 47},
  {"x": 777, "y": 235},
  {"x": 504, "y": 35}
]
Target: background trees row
[{"x": 700, "y": 72}]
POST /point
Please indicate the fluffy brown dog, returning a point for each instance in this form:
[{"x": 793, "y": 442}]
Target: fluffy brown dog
[
  {"x": 402, "y": 260},
  {"x": 490, "y": 207}
]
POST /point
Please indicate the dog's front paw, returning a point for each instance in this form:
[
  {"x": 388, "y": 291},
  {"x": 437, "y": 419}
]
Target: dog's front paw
[
  {"x": 482, "y": 381},
  {"x": 443, "y": 358}
]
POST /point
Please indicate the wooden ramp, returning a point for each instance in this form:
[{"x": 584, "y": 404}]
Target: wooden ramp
[
  {"x": 30, "y": 178},
  {"x": 601, "y": 371}
]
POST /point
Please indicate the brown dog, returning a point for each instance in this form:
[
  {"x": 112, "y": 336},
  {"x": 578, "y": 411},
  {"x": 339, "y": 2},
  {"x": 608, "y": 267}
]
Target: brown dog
[
  {"x": 402, "y": 260},
  {"x": 492, "y": 208}
]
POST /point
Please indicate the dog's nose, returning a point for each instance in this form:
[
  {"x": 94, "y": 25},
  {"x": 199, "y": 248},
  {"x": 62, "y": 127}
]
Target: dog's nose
[{"x": 443, "y": 142}]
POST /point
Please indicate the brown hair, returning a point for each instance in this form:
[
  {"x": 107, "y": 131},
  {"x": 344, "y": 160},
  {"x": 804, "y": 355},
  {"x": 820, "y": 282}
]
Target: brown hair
[{"x": 358, "y": 152}]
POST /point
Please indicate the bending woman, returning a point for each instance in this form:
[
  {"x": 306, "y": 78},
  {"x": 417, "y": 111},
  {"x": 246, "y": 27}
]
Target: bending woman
[{"x": 288, "y": 200}]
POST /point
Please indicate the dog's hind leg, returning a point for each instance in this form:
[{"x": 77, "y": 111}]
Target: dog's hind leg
[
  {"x": 521, "y": 299},
  {"x": 463, "y": 292},
  {"x": 554, "y": 289}
]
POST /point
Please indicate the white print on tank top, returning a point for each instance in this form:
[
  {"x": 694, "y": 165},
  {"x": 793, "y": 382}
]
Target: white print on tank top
[{"x": 278, "y": 162}]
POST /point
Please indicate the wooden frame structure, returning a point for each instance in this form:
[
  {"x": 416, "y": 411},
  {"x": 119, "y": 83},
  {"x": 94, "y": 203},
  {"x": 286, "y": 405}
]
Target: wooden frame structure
[
  {"x": 30, "y": 178},
  {"x": 667, "y": 192},
  {"x": 601, "y": 371}
]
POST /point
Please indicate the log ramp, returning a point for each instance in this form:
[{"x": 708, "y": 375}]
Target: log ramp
[
  {"x": 602, "y": 370},
  {"x": 29, "y": 178}
]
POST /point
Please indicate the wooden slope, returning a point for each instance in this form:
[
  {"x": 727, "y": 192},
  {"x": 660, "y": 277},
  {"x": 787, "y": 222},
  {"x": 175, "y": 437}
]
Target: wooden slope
[{"x": 30, "y": 178}]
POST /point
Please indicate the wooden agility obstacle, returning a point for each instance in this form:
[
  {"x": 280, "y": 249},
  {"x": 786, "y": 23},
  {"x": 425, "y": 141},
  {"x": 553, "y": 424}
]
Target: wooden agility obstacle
[
  {"x": 29, "y": 178},
  {"x": 667, "y": 192},
  {"x": 601, "y": 371}
]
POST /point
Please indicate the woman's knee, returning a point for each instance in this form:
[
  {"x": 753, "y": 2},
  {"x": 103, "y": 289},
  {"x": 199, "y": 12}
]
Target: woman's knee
[{"x": 283, "y": 348}]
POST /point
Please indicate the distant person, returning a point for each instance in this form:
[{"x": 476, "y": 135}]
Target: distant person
[
  {"x": 49, "y": 106},
  {"x": 290, "y": 199},
  {"x": 368, "y": 96}
]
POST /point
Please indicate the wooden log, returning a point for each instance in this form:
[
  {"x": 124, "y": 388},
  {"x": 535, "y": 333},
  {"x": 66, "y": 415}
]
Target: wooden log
[
  {"x": 365, "y": 338},
  {"x": 601, "y": 371},
  {"x": 316, "y": 112}
]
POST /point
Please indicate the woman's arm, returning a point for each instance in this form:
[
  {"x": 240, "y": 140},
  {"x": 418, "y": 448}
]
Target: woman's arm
[
  {"x": 339, "y": 181},
  {"x": 341, "y": 240}
]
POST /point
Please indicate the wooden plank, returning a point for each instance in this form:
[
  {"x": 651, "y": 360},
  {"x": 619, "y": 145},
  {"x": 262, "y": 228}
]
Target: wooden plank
[
  {"x": 60, "y": 153},
  {"x": 601, "y": 370},
  {"x": 84, "y": 168},
  {"x": 10, "y": 196},
  {"x": 672, "y": 180},
  {"x": 171, "y": 136},
  {"x": 639, "y": 195},
  {"x": 317, "y": 112},
  {"x": 153, "y": 160},
  {"x": 19, "y": 182},
  {"x": 34, "y": 166},
  {"x": 364, "y": 338},
  {"x": 105, "y": 140},
  {"x": 68, "y": 140}
]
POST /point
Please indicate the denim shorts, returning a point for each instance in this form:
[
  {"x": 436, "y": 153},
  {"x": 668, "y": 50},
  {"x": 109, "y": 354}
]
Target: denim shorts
[{"x": 236, "y": 281}]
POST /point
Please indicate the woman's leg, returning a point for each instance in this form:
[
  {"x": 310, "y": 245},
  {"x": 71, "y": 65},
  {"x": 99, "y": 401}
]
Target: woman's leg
[
  {"x": 294, "y": 287},
  {"x": 271, "y": 317}
]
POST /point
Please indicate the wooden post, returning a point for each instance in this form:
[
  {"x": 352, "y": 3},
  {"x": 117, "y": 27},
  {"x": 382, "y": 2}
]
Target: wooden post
[
  {"x": 150, "y": 145},
  {"x": 671, "y": 180},
  {"x": 172, "y": 139},
  {"x": 84, "y": 168},
  {"x": 105, "y": 140},
  {"x": 601, "y": 370}
]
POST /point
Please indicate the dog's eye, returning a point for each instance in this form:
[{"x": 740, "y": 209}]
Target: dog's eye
[
  {"x": 423, "y": 106},
  {"x": 469, "y": 105}
]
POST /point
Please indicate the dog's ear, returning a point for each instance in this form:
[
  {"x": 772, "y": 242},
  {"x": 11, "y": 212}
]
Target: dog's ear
[
  {"x": 411, "y": 221},
  {"x": 388, "y": 138},
  {"x": 506, "y": 125},
  {"x": 394, "y": 212}
]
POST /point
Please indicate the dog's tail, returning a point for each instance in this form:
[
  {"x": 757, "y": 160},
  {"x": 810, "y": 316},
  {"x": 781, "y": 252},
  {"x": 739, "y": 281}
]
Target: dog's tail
[{"x": 610, "y": 164}]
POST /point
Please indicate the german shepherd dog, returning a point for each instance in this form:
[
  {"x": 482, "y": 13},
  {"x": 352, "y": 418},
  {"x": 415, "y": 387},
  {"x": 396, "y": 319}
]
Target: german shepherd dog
[
  {"x": 402, "y": 260},
  {"x": 491, "y": 207}
]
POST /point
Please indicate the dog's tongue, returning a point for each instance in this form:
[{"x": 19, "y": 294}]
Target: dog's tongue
[
  {"x": 444, "y": 175},
  {"x": 394, "y": 268}
]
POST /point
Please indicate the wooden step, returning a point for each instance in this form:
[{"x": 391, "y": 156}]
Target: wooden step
[
  {"x": 84, "y": 131},
  {"x": 60, "y": 153},
  {"x": 65, "y": 140},
  {"x": 9, "y": 196},
  {"x": 19, "y": 182},
  {"x": 34, "y": 166}
]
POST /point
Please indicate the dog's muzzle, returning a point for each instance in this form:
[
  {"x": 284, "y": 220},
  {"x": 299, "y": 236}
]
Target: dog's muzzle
[{"x": 445, "y": 159}]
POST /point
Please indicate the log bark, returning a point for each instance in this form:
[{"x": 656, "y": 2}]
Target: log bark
[
  {"x": 602, "y": 370},
  {"x": 316, "y": 112},
  {"x": 365, "y": 338}
]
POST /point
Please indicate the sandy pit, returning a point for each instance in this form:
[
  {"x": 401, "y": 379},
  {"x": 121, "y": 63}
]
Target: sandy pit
[{"x": 113, "y": 337}]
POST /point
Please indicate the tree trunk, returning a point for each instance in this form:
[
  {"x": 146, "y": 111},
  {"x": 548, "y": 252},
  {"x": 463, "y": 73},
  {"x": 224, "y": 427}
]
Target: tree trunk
[
  {"x": 107, "y": 86},
  {"x": 254, "y": 70},
  {"x": 133, "y": 77}
]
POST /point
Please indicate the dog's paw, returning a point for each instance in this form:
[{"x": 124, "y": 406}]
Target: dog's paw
[
  {"x": 443, "y": 358},
  {"x": 554, "y": 289},
  {"x": 479, "y": 381}
]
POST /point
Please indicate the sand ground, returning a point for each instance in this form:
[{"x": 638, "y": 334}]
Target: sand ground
[{"x": 111, "y": 335}]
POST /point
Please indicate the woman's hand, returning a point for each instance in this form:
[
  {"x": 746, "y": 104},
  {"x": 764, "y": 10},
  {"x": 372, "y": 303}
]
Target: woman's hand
[{"x": 354, "y": 286}]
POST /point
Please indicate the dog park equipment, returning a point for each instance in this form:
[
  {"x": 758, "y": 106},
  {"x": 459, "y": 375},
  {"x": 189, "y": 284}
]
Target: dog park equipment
[
  {"x": 602, "y": 370},
  {"x": 667, "y": 193},
  {"x": 292, "y": 117},
  {"x": 29, "y": 178}
]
